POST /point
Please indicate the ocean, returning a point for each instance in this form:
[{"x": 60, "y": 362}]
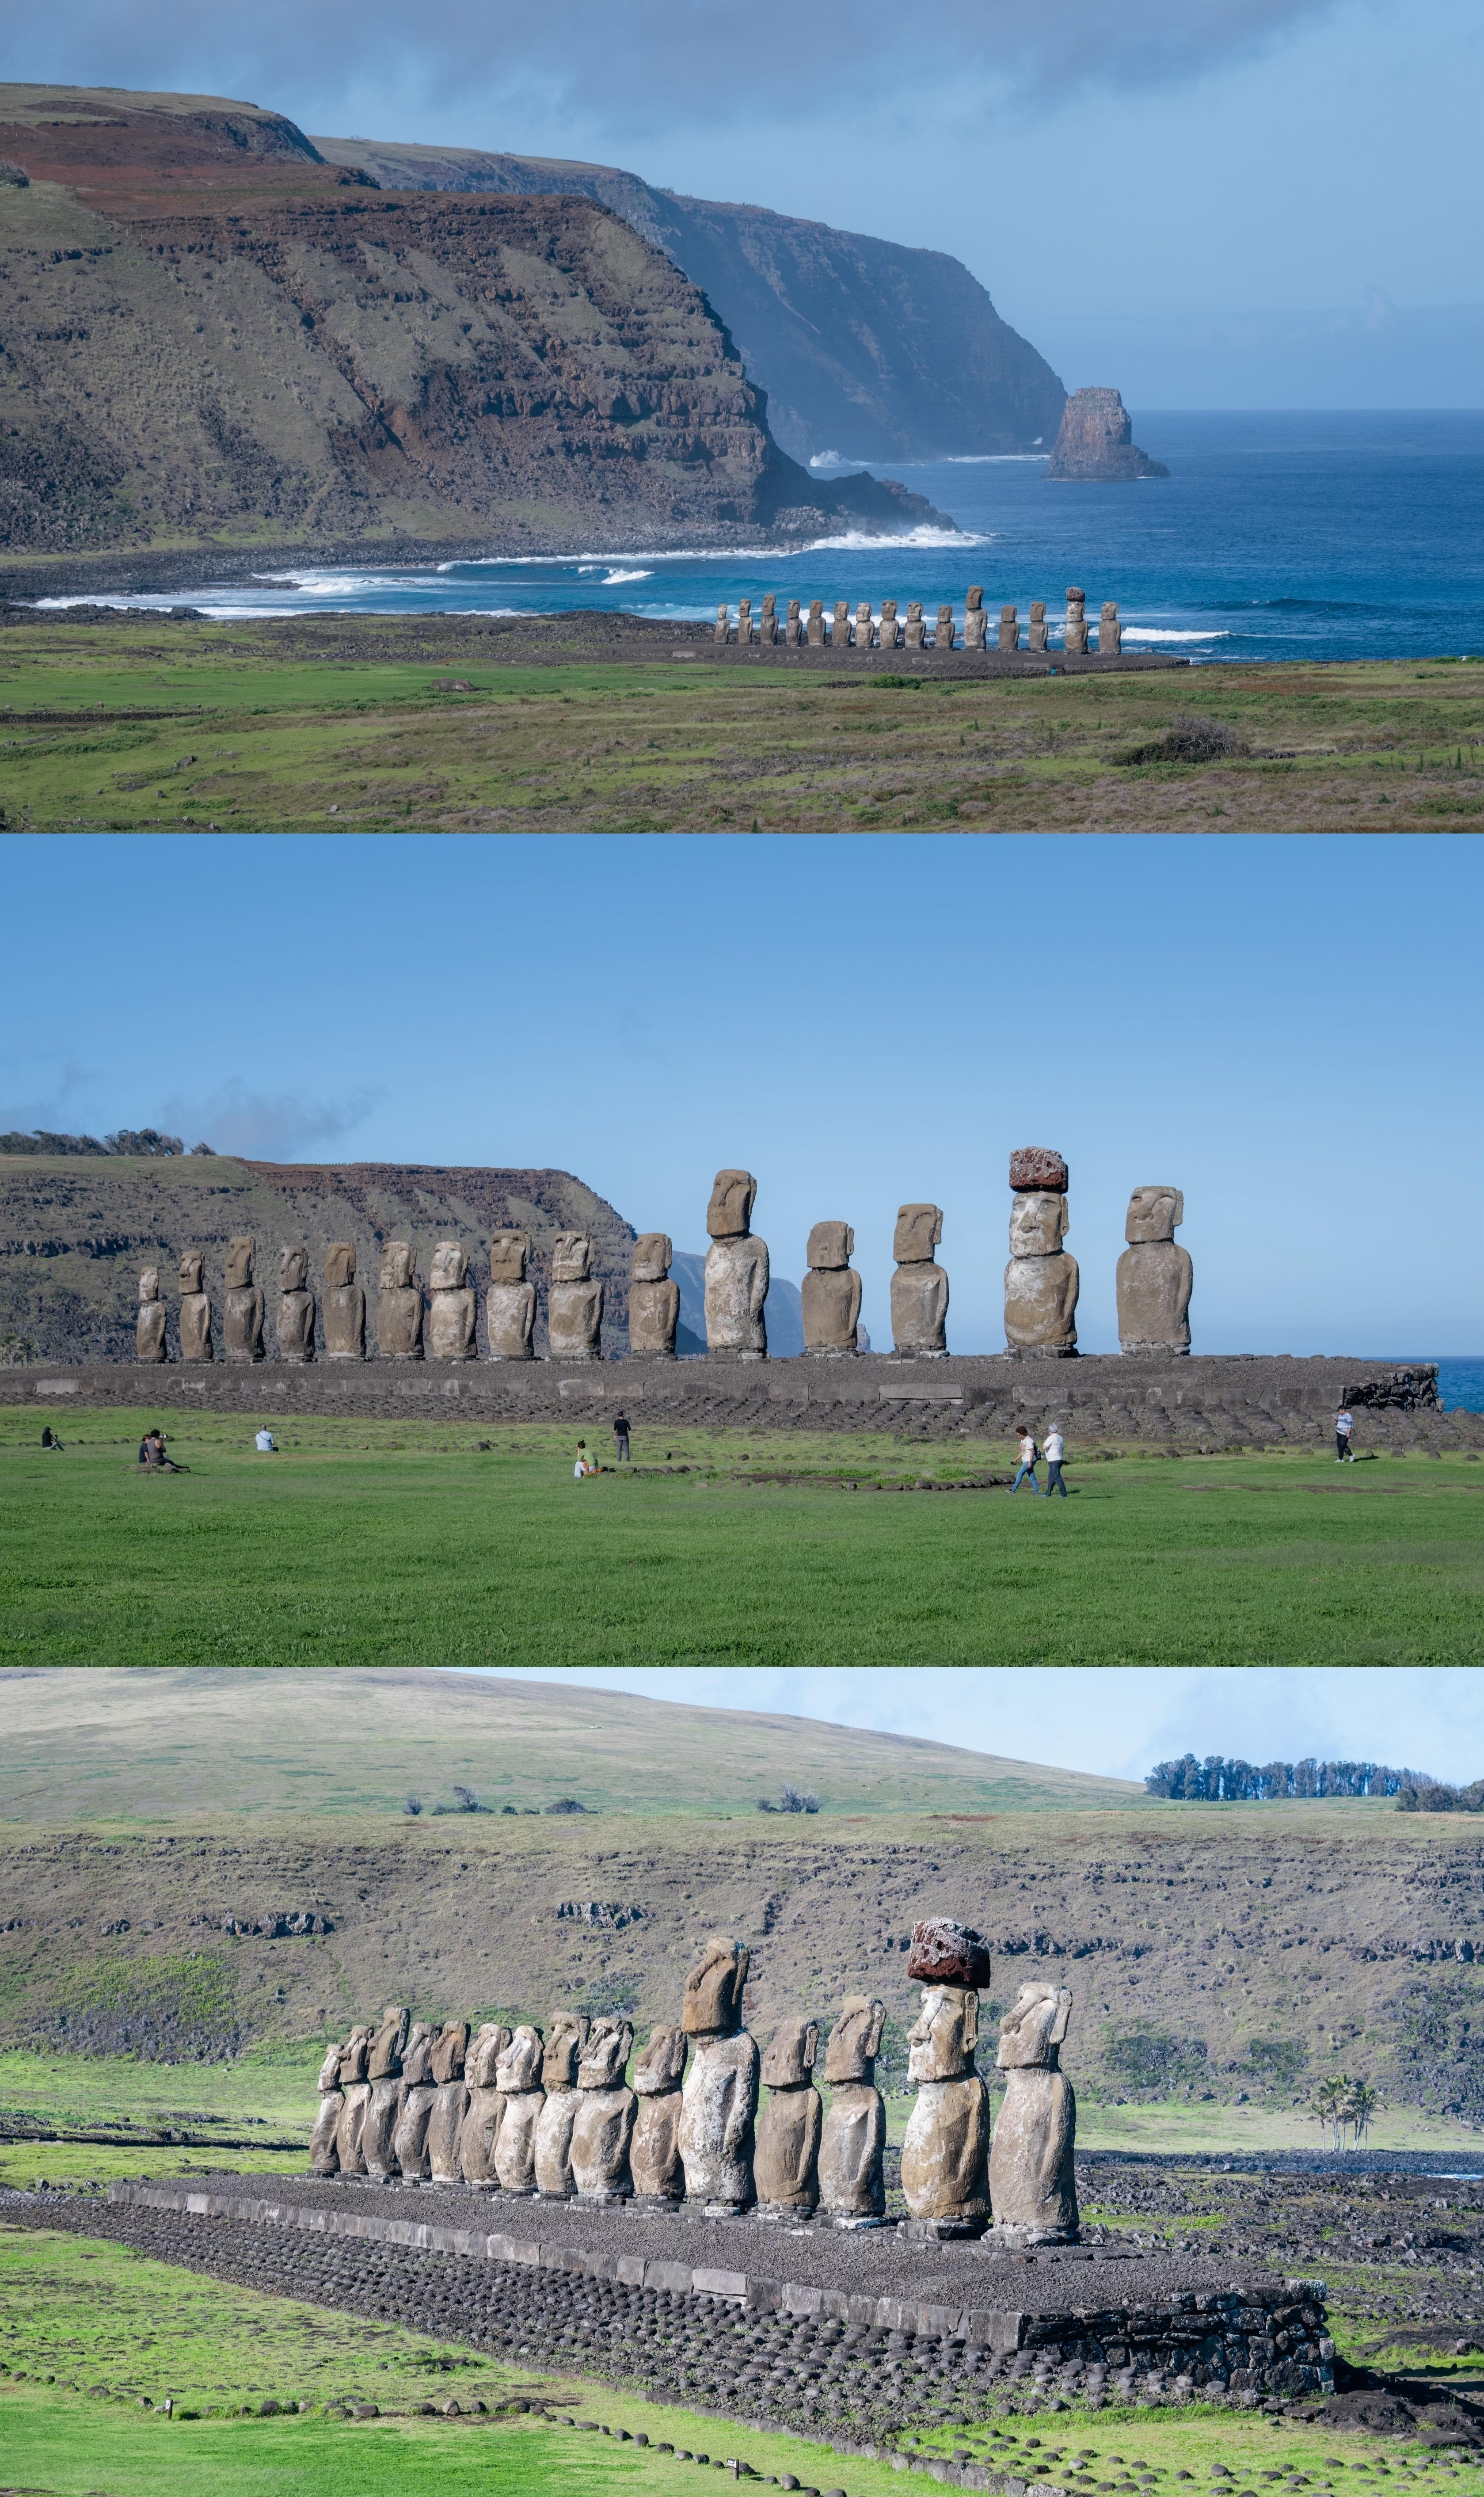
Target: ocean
[
  {"x": 1277, "y": 536},
  {"x": 1460, "y": 1381}
]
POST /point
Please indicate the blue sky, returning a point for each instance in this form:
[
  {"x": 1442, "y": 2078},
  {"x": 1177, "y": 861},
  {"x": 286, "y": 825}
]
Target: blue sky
[
  {"x": 1289, "y": 1029},
  {"x": 1249, "y": 202}
]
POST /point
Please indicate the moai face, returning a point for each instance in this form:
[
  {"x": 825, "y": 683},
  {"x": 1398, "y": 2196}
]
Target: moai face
[
  {"x": 914, "y": 610},
  {"x": 571, "y": 1257},
  {"x": 605, "y": 2058},
  {"x": 661, "y": 2068},
  {"x": 339, "y": 1265},
  {"x": 650, "y": 1262},
  {"x": 770, "y": 603},
  {"x": 729, "y": 1215},
  {"x": 483, "y": 2058},
  {"x": 1038, "y": 610},
  {"x": 450, "y": 2049},
  {"x": 919, "y": 1229},
  {"x": 713, "y": 1989},
  {"x": 1033, "y": 2028},
  {"x": 385, "y": 2058},
  {"x": 293, "y": 1268},
  {"x": 1110, "y": 611},
  {"x": 1038, "y": 1224},
  {"x": 793, "y": 609},
  {"x": 149, "y": 1286},
  {"x": 975, "y": 598},
  {"x": 508, "y": 1253},
  {"x": 239, "y": 1257},
  {"x": 330, "y": 2069},
  {"x": 816, "y": 610},
  {"x": 565, "y": 2041},
  {"x": 841, "y": 621},
  {"x": 830, "y": 1244},
  {"x": 863, "y": 620},
  {"x": 854, "y": 2040},
  {"x": 789, "y": 2063},
  {"x": 353, "y": 2058},
  {"x": 398, "y": 1262},
  {"x": 520, "y": 2065},
  {"x": 942, "y": 2039},
  {"x": 1153, "y": 1213},
  {"x": 418, "y": 2054},
  {"x": 191, "y": 1268},
  {"x": 449, "y": 1268}
]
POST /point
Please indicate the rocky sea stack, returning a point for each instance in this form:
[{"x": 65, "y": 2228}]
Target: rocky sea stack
[{"x": 1095, "y": 444}]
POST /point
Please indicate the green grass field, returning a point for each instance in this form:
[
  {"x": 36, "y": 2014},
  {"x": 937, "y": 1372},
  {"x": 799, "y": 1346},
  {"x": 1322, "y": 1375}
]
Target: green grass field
[{"x": 373, "y": 1543}]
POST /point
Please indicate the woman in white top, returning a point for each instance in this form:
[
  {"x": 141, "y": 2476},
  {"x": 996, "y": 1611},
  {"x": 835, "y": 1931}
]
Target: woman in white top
[{"x": 1028, "y": 1465}]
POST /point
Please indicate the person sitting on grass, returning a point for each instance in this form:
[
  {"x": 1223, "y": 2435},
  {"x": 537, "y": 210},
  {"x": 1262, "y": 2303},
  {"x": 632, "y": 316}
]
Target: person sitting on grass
[
  {"x": 49, "y": 1437},
  {"x": 1054, "y": 1452},
  {"x": 1028, "y": 1465},
  {"x": 152, "y": 1454},
  {"x": 585, "y": 1463},
  {"x": 266, "y": 1443}
]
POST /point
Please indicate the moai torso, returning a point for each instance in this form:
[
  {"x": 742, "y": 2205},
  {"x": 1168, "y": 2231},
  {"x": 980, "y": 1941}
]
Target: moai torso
[
  {"x": 294, "y": 1329},
  {"x": 654, "y": 1301},
  {"x": 574, "y": 1302},
  {"x": 852, "y": 2187},
  {"x": 1009, "y": 629},
  {"x": 195, "y": 1311},
  {"x": 149, "y": 1325},
  {"x": 1041, "y": 1280},
  {"x": 654, "y": 2152},
  {"x": 1076, "y": 619},
  {"x": 1110, "y": 632},
  {"x": 768, "y": 623},
  {"x": 486, "y": 2104},
  {"x": 451, "y": 1306},
  {"x": 943, "y": 637},
  {"x": 551, "y": 2142},
  {"x": 1155, "y": 1275},
  {"x": 342, "y": 1308},
  {"x": 409, "y": 2142},
  {"x": 510, "y": 1305},
  {"x": 889, "y": 629},
  {"x": 831, "y": 1291},
  {"x": 399, "y": 1305},
  {"x": 816, "y": 626},
  {"x": 606, "y": 2108},
  {"x": 519, "y": 2074},
  {"x": 324, "y": 2157},
  {"x": 1035, "y": 639},
  {"x": 243, "y": 1310},
  {"x": 736, "y": 1272},
  {"x": 839, "y": 626},
  {"x": 451, "y": 2104},
  {"x": 720, "y": 2090},
  {"x": 919, "y": 1286},
  {"x": 917, "y": 630},
  {"x": 785, "y": 2162},
  {"x": 946, "y": 2151},
  {"x": 1033, "y": 2164},
  {"x": 974, "y": 619}
]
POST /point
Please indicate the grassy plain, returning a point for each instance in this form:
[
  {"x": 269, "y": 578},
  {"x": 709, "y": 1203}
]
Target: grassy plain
[
  {"x": 336, "y": 724},
  {"x": 375, "y": 1544}
]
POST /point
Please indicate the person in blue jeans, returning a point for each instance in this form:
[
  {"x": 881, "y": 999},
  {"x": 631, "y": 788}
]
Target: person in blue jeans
[
  {"x": 1054, "y": 1452},
  {"x": 1028, "y": 1465}
]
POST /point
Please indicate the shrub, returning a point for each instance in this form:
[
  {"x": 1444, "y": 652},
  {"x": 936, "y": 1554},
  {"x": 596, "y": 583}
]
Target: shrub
[
  {"x": 13, "y": 173},
  {"x": 566, "y": 1803},
  {"x": 1187, "y": 739},
  {"x": 1151, "y": 2060},
  {"x": 412, "y": 1807}
]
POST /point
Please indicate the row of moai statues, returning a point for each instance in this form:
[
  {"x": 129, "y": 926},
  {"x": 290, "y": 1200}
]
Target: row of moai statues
[
  {"x": 555, "y": 2114},
  {"x": 891, "y": 631}
]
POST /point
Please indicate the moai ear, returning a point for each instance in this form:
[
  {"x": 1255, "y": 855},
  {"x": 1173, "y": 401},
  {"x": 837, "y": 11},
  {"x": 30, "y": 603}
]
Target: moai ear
[
  {"x": 1063, "y": 2019},
  {"x": 875, "y": 2024},
  {"x": 811, "y": 2045},
  {"x": 743, "y": 1963},
  {"x": 972, "y": 2022}
]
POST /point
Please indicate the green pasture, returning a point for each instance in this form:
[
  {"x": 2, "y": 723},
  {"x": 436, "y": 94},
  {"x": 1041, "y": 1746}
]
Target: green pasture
[{"x": 421, "y": 1543}]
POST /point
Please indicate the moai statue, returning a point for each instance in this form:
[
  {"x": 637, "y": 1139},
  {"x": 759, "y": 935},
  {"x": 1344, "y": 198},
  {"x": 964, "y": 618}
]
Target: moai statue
[
  {"x": 654, "y": 2153},
  {"x": 1041, "y": 1280},
  {"x": 785, "y": 2164},
  {"x": 723, "y": 632},
  {"x": 243, "y": 1316},
  {"x": 451, "y": 1306},
  {"x": 149, "y": 1325},
  {"x": 384, "y": 2071},
  {"x": 793, "y": 629},
  {"x": 450, "y": 2049},
  {"x": 736, "y": 1272},
  {"x": 839, "y": 629},
  {"x": 1076, "y": 620},
  {"x": 830, "y": 1292},
  {"x": 1110, "y": 632},
  {"x": 919, "y": 1286},
  {"x": 815, "y": 635},
  {"x": 356, "y": 2096},
  {"x": 654, "y": 1301},
  {"x": 324, "y": 2157},
  {"x": 1009, "y": 629},
  {"x": 605, "y": 2111},
  {"x": 1155, "y": 1275},
  {"x": 420, "y": 2095},
  {"x": 481, "y": 2124},
  {"x": 975, "y": 620},
  {"x": 195, "y": 1309},
  {"x": 943, "y": 636},
  {"x": 745, "y": 621},
  {"x": 399, "y": 1305},
  {"x": 851, "y": 2185},
  {"x": 864, "y": 628},
  {"x": 889, "y": 629},
  {"x": 519, "y": 2074},
  {"x": 946, "y": 2149},
  {"x": 1033, "y": 2164},
  {"x": 551, "y": 2142},
  {"x": 917, "y": 630},
  {"x": 1035, "y": 639},
  {"x": 719, "y": 2097},
  {"x": 574, "y": 1314},
  {"x": 296, "y": 1307},
  {"x": 510, "y": 1305},
  {"x": 767, "y": 622},
  {"x": 342, "y": 1304}
]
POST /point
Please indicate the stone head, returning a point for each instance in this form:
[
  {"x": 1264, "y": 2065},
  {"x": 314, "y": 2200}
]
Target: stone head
[
  {"x": 571, "y": 1257},
  {"x": 239, "y": 1257},
  {"x": 841, "y": 610},
  {"x": 1034, "y": 2026},
  {"x": 1153, "y": 1213},
  {"x": 385, "y": 2058},
  {"x": 661, "y": 2068},
  {"x": 449, "y": 1265},
  {"x": 854, "y": 2040},
  {"x": 713, "y": 1989},
  {"x": 605, "y": 2055},
  {"x": 942, "y": 2039},
  {"x": 816, "y": 610},
  {"x": 191, "y": 1266},
  {"x": 1007, "y": 616},
  {"x": 730, "y": 1211},
  {"x": 830, "y": 1244},
  {"x": 451, "y": 2047},
  {"x": 1039, "y": 1166},
  {"x": 789, "y": 2061},
  {"x": 417, "y": 2053},
  {"x": 975, "y": 597},
  {"x": 770, "y": 603},
  {"x": 520, "y": 2065},
  {"x": 919, "y": 1229},
  {"x": 293, "y": 1268},
  {"x": 888, "y": 611},
  {"x": 565, "y": 2040},
  {"x": 481, "y": 2062},
  {"x": 149, "y": 1284},
  {"x": 1038, "y": 610},
  {"x": 508, "y": 1253},
  {"x": 339, "y": 1265},
  {"x": 1110, "y": 611},
  {"x": 914, "y": 610},
  {"x": 945, "y": 618},
  {"x": 353, "y": 2055},
  {"x": 724, "y": 615},
  {"x": 399, "y": 1260},
  {"x": 330, "y": 2069},
  {"x": 793, "y": 609},
  {"x": 650, "y": 1262},
  {"x": 944, "y": 1952},
  {"x": 862, "y": 614},
  {"x": 1038, "y": 1223},
  {"x": 743, "y": 608}
]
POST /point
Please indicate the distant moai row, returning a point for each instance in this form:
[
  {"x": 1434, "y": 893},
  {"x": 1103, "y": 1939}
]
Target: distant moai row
[
  {"x": 864, "y": 630},
  {"x": 1041, "y": 1288},
  {"x": 555, "y": 2114}
]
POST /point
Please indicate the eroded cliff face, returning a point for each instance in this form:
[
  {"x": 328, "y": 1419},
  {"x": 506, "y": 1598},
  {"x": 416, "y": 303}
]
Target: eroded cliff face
[{"x": 1095, "y": 445}]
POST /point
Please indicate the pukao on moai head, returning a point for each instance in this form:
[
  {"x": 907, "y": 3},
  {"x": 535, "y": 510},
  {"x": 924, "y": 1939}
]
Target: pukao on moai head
[
  {"x": 451, "y": 1306},
  {"x": 574, "y": 1302},
  {"x": 323, "y": 2156},
  {"x": 919, "y": 1286},
  {"x": 606, "y": 2109},
  {"x": 1155, "y": 1275},
  {"x": 384, "y": 2071},
  {"x": 1076, "y": 619},
  {"x": 831, "y": 1291},
  {"x": 785, "y": 2164},
  {"x": 1041, "y": 1280},
  {"x": 519, "y": 2074},
  {"x": 944, "y": 634},
  {"x": 1032, "y": 2165},
  {"x": 445, "y": 2124},
  {"x": 486, "y": 2104},
  {"x": 975, "y": 620},
  {"x": 654, "y": 1301},
  {"x": 355, "y": 2097},
  {"x": 342, "y": 1308},
  {"x": 510, "y": 1304},
  {"x": 195, "y": 1309},
  {"x": 736, "y": 1272},
  {"x": 945, "y": 2152},
  {"x": 565, "y": 2040},
  {"x": 149, "y": 1325},
  {"x": 852, "y": 2188},
  {"x": 399, "y": 1305},
  {"x": 296, "y": 1307},
  {"x": 654, "y": 2153},
  {"x": 242, "y": 1313},
  {"x": 720, "y": 2092},
  {"x": 420, "y": 2093}
]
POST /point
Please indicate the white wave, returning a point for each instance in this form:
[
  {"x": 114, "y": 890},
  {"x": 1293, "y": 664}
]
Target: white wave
[
  {"x": 868, "y": 542},
  {"x": 1162, "y": 633},
  {"x": 612, "y": 579}
]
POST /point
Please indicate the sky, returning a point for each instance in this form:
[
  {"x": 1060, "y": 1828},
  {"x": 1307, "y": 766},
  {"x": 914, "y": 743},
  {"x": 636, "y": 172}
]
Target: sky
[
  {"x": 1290, "y": 1030},
  {"x": 1111, "y": 1723},
  {"x": 1249, "y": 202}
]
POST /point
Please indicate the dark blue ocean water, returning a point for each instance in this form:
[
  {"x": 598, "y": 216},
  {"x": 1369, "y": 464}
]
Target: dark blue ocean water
[
  {"x": 1460, "y": 1381},
  {"x": 1327, "y": 536}
]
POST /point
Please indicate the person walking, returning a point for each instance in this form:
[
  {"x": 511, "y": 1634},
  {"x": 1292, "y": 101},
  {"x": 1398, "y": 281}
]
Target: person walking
[
  {"x": 621, "y": 1441},
  {"x": 1054, "y": 1451},
  {"x": 1027, "y": 1466},
  {"x": 1344, "y": 1427}
]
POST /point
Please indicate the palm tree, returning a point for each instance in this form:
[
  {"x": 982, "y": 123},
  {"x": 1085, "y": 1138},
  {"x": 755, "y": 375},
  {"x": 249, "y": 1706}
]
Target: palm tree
[
  {"x": 1326, "y": 2102},
  {"x": 1361, "y": 2104}
]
